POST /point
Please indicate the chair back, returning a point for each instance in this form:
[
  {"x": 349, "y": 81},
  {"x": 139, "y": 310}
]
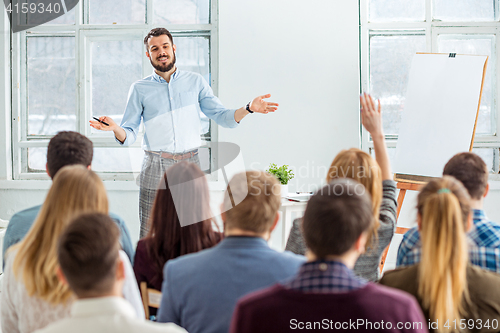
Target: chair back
[{"x": 150, "y": 298}]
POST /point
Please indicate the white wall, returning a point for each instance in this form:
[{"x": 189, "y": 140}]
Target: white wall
[{"x": 306, "y": 55}]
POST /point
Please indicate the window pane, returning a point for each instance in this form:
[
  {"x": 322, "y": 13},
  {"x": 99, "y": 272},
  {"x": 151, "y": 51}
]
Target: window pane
[
  {"x": 115, "y": 66},
  {"x": 117, "y": 159},
  {"x": 464, "y": 10},
  {"x": 117, "y": 11},
  {"x": 51, "y": 85},
  {"x": 182, "y": 11},
  {"x": 68, "y": 18},
  {"x": 488, "y": 155},
  {"x": 390, "y": 61},
  {"x": 480, "y": 45},
  {"x": 193, "y": 55},
  {"x": 37, "y": 158},
  {"x": 41, "y": 10},
  {"x": 397, "y": 10}
]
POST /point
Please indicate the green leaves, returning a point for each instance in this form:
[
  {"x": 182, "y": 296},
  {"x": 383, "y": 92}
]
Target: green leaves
[{"x": 283, "y": 174}]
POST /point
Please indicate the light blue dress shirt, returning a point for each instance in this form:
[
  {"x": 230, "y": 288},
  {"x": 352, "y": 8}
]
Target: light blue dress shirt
[{"x": 171, "y": 112}]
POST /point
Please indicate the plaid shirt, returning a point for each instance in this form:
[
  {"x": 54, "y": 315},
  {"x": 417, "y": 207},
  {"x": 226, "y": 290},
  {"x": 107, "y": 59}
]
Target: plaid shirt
[
  {"x": 484, "y": 248},
  {"x": 325, "y": 277}
]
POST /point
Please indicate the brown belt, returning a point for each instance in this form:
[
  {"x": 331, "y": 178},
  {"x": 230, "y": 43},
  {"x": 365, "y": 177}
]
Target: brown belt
[{"x": 175, "y": 157}]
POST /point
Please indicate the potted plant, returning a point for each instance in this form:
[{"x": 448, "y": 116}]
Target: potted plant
[{"x": 284, "y": 175}]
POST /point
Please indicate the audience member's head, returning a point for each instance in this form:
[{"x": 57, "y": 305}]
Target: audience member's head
[
  {"x": 443, "y": 211},
  {"x": 181, "y": 219},
  {"x": 68, "y": 148},
  {"x": 75, "y": 190},
  {"x": 471, "y": 171},
  {"x": 338, "y": 219},
  {"x": 257, "y": 212},
  {"x": 88, "y": 256},
  {"x": 360, "y": 166}
]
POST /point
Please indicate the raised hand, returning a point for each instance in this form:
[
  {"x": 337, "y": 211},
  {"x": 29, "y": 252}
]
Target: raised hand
[
  {"x": 371, "y": 115},
  {"x": 100, "y": 126},
  {"x": 261, "y": 106}
]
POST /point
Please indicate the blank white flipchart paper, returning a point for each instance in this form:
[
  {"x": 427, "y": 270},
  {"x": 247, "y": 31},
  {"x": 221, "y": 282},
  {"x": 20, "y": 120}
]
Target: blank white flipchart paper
[{"x": 440, "y": 112}]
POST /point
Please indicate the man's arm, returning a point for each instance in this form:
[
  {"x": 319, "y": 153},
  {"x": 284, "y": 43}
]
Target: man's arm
[
  {"x": 212, "y": 107},
  {"x": 257, "y": 105},
  {"x": 125, "y": 134}
]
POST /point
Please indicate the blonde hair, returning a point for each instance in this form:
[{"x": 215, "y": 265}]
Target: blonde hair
[
  {"x": 251, "y": 201},
  {"x": 360, "y": 166},
  {"x": 443, "y": 206},
  {"x": 75, "y": 190}
]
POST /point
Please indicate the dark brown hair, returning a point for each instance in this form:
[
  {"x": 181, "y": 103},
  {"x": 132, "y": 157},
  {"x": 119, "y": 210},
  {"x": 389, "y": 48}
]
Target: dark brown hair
[
  {"x": 182, "y": 199},
  {"x": 155, "y": 33},
  {"x": 88, "y": 254},
  {"x": 336, "y": 216},
  {"x": 251, "y": 201},
  {"x": 68, "y": 148},
  {"x": 471, "y": 171}
]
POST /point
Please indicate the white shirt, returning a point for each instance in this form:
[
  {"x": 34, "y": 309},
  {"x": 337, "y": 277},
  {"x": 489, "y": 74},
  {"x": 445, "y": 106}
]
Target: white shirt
[
  {"x": 106, "y": 315},
  {"x": 22, "y": 313}
]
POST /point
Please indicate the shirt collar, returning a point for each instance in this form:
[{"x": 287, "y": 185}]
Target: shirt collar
[
  {"x": 478, "y": 214},
  {"x": 158, "y": 78},
  {"x": 325, "y": 276},
  {"x": 243, "y": 242},
  {"x": 101, "y": 305}
]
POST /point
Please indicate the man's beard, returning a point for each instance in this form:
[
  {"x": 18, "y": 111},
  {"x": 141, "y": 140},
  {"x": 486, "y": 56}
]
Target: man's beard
[{"x": 163, "y": 67}]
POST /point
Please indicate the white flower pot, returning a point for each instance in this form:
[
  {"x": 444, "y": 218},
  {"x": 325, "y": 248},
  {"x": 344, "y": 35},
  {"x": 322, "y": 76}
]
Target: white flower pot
[{"x": 284, "y": 190}]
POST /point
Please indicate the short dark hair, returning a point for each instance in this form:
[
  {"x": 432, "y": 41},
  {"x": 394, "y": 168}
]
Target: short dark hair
[
  {"x": 336, "y": 216},
  {"x": 155, "y": 33},
  {"x": 471, "y": 171},
  {"x": 88, "y": 254},
  {"x": 68, "y": 148}
]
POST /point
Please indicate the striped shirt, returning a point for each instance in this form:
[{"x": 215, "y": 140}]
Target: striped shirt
[{"x": 484, "y": 247}]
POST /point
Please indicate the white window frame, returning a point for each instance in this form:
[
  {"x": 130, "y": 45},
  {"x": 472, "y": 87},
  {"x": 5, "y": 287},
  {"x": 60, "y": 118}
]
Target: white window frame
[
  {"x": 84, "y": 35},
  {"x": 430, "y": 29}
]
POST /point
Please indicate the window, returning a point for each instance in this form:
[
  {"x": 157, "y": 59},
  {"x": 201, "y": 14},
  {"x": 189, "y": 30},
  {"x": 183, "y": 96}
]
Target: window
[
  {"x": 392, "y": 31},
  {"x": 83, "y": 63}
]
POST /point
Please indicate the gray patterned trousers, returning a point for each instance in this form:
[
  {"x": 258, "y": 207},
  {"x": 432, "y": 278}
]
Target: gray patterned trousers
[{"x": 153, "y": 169}]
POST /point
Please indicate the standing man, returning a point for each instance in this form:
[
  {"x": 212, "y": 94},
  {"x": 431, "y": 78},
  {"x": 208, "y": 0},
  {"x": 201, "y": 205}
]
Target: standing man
[{"x": 169, "y": 101}]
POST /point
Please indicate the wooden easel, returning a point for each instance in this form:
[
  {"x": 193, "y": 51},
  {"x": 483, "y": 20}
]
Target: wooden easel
[{"x": 414, "y": 183}]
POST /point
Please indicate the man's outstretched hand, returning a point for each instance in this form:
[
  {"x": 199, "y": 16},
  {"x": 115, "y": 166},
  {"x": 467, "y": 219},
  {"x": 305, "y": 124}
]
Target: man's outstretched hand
[
  {"x": 100, "y": 126},
  {"x": 259, "y": 105},
  {"x": 119, "y": 132}
]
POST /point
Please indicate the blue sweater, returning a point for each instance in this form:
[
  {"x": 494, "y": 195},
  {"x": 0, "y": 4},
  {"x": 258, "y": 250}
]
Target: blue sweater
[{"x": 200, "y": 290}]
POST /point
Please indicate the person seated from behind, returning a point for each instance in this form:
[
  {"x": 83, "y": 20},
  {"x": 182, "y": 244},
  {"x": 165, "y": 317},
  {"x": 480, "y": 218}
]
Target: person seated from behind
[
  {"x": 376, "y": 176},
  {"x": 89, "y": 262},
  {"x": 167, "y": 238},
  {"x": 200, "y": 290},
  {"x": 32, "y": 296},
  {"x": 484, "y": 250},
  {"x": 326, "y": 293},
  {"x": 450, "y": 290},
  {"x": 65, "y": 148}
]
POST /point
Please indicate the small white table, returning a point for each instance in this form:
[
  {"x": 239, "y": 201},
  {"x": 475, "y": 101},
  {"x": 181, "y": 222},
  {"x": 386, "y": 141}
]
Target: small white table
[{"x": 280, "y": 234}]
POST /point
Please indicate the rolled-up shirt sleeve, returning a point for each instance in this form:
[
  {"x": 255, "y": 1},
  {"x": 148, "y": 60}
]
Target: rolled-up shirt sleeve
[
  {"x": 212, "y": 107},
  {"x": 132, "y": 116}
]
